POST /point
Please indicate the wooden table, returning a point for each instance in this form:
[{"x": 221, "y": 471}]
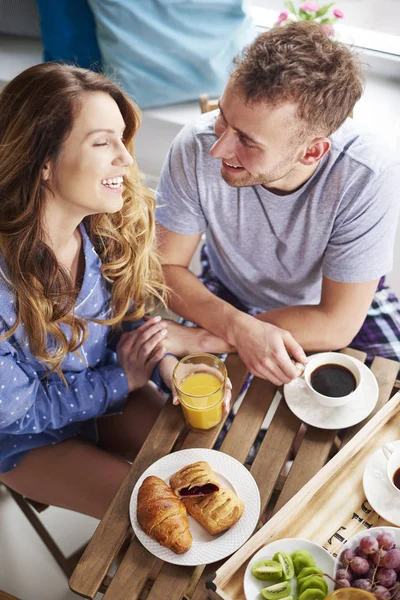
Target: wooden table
[{"x": 138, "y": 569}]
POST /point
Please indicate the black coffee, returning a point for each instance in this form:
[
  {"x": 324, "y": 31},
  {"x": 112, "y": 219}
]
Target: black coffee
[
  {"x": 396, "y": 478},
  {"x": 333, "y": 380}
]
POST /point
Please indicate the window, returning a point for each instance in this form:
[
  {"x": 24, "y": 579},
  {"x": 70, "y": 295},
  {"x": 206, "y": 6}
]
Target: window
[{"x": 369, "y": 25}]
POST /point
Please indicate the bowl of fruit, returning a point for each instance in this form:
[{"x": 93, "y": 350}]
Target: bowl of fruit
[
  {"x": 370, "y": 561},
  {"x": 289, "y": 569}
]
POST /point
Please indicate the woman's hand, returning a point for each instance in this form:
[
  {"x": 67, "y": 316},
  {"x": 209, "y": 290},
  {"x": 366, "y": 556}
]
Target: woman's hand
[
  {"x": 166, "y": 367},
  {"x": 140, "y": 350},
  {"x": 182, "y": 340}
]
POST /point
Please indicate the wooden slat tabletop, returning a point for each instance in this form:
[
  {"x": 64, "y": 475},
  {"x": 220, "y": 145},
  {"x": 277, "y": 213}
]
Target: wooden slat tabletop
[{"x": 175, "y": 582}]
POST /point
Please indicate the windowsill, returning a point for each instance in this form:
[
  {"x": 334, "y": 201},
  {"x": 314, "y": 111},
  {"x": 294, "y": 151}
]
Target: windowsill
[
  {"x": 181, "y": 113},
  {"x": 382, "y": 50}
]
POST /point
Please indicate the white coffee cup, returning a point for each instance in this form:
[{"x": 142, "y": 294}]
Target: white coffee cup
[
  {"x": 331, "y": 358},
  {"x": 392, "y": 455}
]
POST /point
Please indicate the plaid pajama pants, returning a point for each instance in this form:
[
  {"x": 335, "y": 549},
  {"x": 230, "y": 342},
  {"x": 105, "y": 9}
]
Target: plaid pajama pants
[{"x": 378, "y": 336}]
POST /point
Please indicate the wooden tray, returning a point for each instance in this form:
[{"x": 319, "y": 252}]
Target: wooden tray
[{"x": 328, "y": 510}]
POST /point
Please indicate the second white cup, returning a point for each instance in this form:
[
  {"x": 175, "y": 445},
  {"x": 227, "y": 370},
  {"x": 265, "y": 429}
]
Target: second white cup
[{"x": 392, "y": 455}]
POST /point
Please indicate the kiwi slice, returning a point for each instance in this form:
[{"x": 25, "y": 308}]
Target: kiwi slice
[
  {"x": 312, "y": 594},
  {"x": 286, "y": 597},
  {"x": 268, "y": 570},
  {"x": 301, "y": 559},
  {"x": 277, "y": 591},
  {"x": 308, "y": 571},
  {"x": 313, "y": 582},
  {"x": 286, "y": 563}
]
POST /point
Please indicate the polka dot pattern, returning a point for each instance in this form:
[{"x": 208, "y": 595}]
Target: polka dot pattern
[{"x": 36, "y": 411}]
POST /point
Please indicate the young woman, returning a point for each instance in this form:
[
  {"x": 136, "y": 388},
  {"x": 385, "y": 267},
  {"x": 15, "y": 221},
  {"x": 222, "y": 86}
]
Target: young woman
[{"x": 76, "y": 263}]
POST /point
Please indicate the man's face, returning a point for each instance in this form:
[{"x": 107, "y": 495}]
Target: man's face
[{"x": 257, "y": 143}]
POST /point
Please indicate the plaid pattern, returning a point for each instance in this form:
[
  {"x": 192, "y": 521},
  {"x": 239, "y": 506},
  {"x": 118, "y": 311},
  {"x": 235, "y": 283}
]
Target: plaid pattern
[{"x": 379, "y": 335}]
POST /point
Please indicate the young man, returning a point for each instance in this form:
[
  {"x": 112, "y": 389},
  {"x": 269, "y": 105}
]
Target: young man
[{"x": 299, "y": 207}]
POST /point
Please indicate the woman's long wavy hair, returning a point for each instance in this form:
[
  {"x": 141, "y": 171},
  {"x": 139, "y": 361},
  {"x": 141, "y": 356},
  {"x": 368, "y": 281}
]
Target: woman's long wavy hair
[{"x": 37, "y": 111}]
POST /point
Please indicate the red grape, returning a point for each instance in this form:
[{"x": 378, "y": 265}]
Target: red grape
[
  {"x": 386, "y": 577},
  {"x": 369, "y": 544},
  {"x": 396, "y": 595},
  {"x": 359, "y": 565},
  {"x": 346, "y": 557},
  {"x": 381, "y": 593},
  {"x": 343, "y": 574},
  {"x": 377, "y": 558},
  {"x": 361, "y": 584},
  {"x": 359, "y": 552},
  {"x": 391, "y": 560},
  {"x": 385, "y": 540},
  {"x": 341, "y": 583}
]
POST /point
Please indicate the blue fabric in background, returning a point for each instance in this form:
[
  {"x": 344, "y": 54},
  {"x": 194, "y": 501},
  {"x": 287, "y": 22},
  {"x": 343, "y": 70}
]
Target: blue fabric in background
[
  {"x": 167, "y": 51},
  {"x": 68, "y": 33}
]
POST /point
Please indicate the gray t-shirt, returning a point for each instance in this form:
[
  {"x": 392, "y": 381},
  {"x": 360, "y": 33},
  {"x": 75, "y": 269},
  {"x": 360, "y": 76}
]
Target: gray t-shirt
[{"x": 272, "y": 250}]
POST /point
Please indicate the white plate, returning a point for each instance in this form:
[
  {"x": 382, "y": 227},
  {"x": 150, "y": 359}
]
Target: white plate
[
  {"x": 378, "y": 490},
  {"x": 325, "y": 562},
  {"x": 310, "y": 411},
  {"x": 205, "y": 548},
  {"x": 354, "y": 541}
]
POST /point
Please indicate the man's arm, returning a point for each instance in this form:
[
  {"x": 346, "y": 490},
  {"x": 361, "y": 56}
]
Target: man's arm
[
  {"x": 270, "y": 346},
  {"x": 188, "y": 297},
  {"x": 330, "y": 325}
]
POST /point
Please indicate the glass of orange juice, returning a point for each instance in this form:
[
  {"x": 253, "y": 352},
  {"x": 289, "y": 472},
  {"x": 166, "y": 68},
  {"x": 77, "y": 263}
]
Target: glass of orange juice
[{"x": 199, "y": 380}]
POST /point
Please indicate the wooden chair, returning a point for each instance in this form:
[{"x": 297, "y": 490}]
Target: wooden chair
[
  {"x": 206, "y": 105},
  {"x": 30, "y": 508},
  {"x": 5, "y": 596}
]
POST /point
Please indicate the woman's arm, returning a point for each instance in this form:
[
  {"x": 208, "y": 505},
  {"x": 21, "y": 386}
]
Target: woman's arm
[{"x": 31, "y": 405}]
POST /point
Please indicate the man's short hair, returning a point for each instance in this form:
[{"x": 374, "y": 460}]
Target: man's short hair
[{"x": 298, "y": 63}]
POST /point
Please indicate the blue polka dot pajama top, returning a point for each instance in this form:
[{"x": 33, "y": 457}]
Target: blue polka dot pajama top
[{"x": 37, "y": 411}]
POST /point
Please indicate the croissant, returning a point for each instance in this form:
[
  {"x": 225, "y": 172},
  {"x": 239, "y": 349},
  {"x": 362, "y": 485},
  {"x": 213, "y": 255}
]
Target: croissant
[
  {"x": 196, "y": 479},
  {"x": 163, "y": 516},
  {"x": 217, "y": 511}
]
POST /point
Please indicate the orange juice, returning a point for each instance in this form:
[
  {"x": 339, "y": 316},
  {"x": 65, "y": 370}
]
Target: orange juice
[{"x": 201, "y": 396}]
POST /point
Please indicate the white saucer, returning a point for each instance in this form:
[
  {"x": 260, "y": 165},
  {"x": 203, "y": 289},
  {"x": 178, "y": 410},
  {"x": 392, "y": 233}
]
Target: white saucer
[
  {"x": 306, "y": 408},
  {"x": 380, "y": 495}
]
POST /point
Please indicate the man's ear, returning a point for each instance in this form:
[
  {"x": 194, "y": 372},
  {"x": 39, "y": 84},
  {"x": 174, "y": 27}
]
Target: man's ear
[
  {"x": 46, "y": 172},
  {"x": 316, "y": 151}
]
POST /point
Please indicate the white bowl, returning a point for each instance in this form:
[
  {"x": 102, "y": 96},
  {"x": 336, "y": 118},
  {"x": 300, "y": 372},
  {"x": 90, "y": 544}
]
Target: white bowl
[{"x": 354, "y": 541}]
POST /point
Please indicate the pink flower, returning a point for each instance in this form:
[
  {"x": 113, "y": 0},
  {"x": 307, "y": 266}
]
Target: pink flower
[
  {"x": 282, "y": 17},
  {"x": 328, "y": 30},
  {"x": 310, "y": 6},
  {"x": 338, "y": 13}
]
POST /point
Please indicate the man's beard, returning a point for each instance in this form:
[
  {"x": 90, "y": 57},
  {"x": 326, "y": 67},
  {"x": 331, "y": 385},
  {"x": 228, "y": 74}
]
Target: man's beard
[{"x": 275, "y": 174}]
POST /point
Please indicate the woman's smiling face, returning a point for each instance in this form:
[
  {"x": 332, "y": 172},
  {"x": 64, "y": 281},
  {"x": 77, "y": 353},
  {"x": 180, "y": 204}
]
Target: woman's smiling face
[{"x": 88, "y": 175}]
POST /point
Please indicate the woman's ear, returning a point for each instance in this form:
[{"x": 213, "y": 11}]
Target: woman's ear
[{"x": 46, "y": 172}]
